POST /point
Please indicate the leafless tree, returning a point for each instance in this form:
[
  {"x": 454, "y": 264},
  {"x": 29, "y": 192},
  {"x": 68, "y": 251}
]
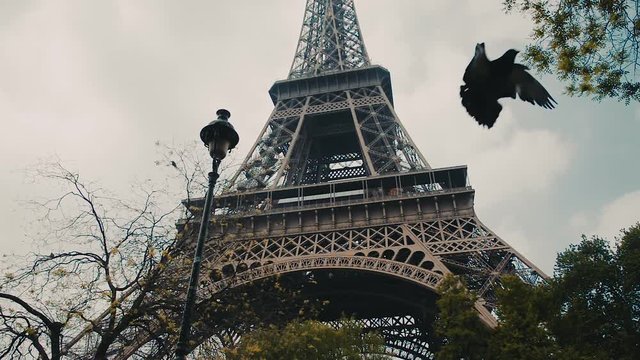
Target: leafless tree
[
  {"x": 112, "y": 270},
  {"x": 113, "y": 255}
]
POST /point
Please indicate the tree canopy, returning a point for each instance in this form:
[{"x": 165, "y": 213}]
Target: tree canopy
[
  {"x": 589, "y": 310},
  {"x": 592, "y": 46},
  {"x": 309, "y": 340},
  {"x": 465, "y": 336}
]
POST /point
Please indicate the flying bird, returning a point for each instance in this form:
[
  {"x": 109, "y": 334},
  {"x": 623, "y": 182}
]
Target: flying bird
[{"x": 487, "y": 81}]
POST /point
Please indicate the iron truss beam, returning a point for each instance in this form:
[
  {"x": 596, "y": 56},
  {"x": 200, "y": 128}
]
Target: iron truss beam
[
  {"x": 330, "y": 39},
  {"x": 281, "y": 155}
]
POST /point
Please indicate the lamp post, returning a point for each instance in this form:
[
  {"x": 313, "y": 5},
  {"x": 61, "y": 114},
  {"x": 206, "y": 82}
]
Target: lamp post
[{"x": 220, "y": 137}]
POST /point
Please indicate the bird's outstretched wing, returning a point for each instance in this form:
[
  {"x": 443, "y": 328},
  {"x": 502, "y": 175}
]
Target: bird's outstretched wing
[{"x": 528, "y": 88}]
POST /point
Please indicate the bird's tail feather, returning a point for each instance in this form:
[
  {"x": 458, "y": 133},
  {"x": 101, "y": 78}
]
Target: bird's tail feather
[{"x": 484, "y": 110}]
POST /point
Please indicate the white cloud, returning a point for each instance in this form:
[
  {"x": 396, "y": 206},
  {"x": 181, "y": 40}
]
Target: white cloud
[
  {"x": 579, "y": 221},
  {"x": 618, "y": 214},
  {"x": 529, "y": 161},
  {"x": 607, "y": 221}
]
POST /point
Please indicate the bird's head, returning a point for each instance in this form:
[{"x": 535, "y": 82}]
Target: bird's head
[
  {"x": 511, "y": 54},
  {"x": 480, "y": 54}
]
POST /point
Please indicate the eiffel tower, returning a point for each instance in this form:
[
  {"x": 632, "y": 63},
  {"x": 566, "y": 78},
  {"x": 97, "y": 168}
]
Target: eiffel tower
[{"x": 335, "y": 188}]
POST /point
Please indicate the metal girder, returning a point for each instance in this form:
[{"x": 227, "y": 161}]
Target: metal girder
[
  {"x": 415, "y": 251},
  {"x": 330, "y": 39},
  {"x": 284, "y": 155},
  {"x": 404, "y": 337}
]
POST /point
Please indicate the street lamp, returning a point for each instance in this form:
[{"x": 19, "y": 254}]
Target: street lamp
[{"x": 219, "y": 137}]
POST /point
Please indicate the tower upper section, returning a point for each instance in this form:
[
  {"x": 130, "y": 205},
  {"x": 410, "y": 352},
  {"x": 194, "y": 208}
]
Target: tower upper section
[
  {"x": 333, "y": 118},
  {"x": 330, "y": 40}
]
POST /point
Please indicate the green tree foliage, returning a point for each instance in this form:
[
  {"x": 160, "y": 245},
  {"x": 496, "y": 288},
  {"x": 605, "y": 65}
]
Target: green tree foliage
[
  {"x": 595, "y": 297},
  {"x": 592, "y": 46},
  {"x": 465, "y": 336},
  {"x": 309, "y": 340},
  {"x": 521, "y": 333},
  {"x": 628, "y": 255},
  {"x": 271, "y": 302},
  {"x": 589, "y": 310}
]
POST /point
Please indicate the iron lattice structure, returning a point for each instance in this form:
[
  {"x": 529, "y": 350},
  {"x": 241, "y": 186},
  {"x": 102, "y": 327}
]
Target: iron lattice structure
[
  {"x": 330, "y": 40},
  {"x": 335, "y": 189}
]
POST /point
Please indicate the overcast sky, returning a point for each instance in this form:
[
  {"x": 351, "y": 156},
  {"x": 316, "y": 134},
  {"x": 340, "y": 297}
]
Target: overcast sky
[{"x": 97, "y": 83}]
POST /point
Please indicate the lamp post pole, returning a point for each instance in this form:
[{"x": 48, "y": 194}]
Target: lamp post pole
[
  {"x": 220, "y": 137},
  {"x": 185, "y": 327}
]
